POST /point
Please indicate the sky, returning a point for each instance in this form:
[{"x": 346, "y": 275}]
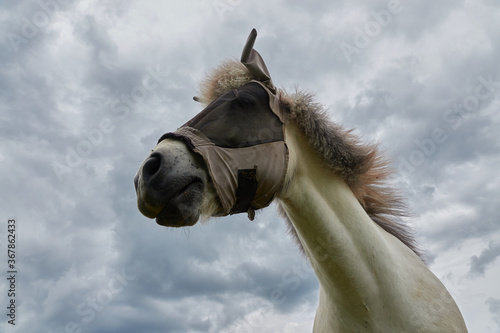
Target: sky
[{"x": 87, "y": 88}]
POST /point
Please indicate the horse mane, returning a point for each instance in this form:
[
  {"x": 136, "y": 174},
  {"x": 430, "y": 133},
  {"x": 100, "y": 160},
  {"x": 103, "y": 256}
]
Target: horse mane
[{"x": 362, "y": 166}]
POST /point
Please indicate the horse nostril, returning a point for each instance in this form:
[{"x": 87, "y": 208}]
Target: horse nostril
[{"x": 151, "y": 166}]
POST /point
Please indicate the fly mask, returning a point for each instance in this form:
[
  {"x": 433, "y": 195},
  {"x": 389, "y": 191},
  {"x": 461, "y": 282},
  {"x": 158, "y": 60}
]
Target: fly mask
[{"x": 240, "y": 136}]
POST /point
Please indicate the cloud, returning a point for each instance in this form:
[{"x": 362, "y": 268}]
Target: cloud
[
  {"x": 494, "y": 307},
  {"x": 94, "y": 85},
  {"x": 478, "y": 264}
]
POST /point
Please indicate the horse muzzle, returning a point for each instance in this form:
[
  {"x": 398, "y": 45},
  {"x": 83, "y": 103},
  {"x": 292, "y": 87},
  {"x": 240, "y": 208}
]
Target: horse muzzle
[{"x": 170, "y": 185}]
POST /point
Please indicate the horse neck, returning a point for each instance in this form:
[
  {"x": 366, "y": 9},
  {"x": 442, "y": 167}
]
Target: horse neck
[{"x": 363, "y": 271}]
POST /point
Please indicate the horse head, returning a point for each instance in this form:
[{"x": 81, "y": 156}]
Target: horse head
[{"x": 230, "y": 158}]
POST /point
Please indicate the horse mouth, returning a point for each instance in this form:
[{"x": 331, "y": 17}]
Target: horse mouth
[{"x": 183, "y": 208}]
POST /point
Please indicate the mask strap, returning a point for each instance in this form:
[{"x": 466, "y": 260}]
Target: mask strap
[{"x": 245, "y": 193}]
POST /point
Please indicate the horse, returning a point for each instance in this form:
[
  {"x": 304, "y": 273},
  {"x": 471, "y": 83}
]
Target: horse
[{"x": 254, "y": 144}]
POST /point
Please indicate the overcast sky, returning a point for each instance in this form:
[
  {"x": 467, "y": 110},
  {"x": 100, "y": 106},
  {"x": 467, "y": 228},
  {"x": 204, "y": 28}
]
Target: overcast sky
[{"x": 87, "y": 88}]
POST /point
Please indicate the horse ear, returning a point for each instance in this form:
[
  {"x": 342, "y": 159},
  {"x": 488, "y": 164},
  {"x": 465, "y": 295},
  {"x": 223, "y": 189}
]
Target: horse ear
[{"x": 255, "y": 64}]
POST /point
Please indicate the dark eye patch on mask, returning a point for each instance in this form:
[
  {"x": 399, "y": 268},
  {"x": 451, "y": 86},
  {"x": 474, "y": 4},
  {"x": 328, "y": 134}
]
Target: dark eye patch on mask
[{"x": 239, "y": 118}]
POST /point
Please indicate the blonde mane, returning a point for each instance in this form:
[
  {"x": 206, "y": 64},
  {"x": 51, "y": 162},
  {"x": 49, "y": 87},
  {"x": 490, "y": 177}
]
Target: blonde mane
[{"x": 362, "y": 166}]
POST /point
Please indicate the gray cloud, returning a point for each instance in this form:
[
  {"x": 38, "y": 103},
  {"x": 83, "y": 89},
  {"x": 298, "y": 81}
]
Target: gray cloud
[
  {"x": 73, "y": 95},
  {"x": 494, "y": 308},
  {"x": 478, "y": 264}
]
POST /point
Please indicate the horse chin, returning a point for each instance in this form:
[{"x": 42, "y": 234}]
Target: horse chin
[
  {"x": 177, "y": 221},
  {"x": 184, "y": 209}
]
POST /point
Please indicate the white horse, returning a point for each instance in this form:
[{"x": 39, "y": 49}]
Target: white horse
[{"x": 253, "y": 144}]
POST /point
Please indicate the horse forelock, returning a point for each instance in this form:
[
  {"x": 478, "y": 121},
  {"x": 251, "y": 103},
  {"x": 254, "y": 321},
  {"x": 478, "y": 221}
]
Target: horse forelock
[{"x": 231, "y": 74}]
